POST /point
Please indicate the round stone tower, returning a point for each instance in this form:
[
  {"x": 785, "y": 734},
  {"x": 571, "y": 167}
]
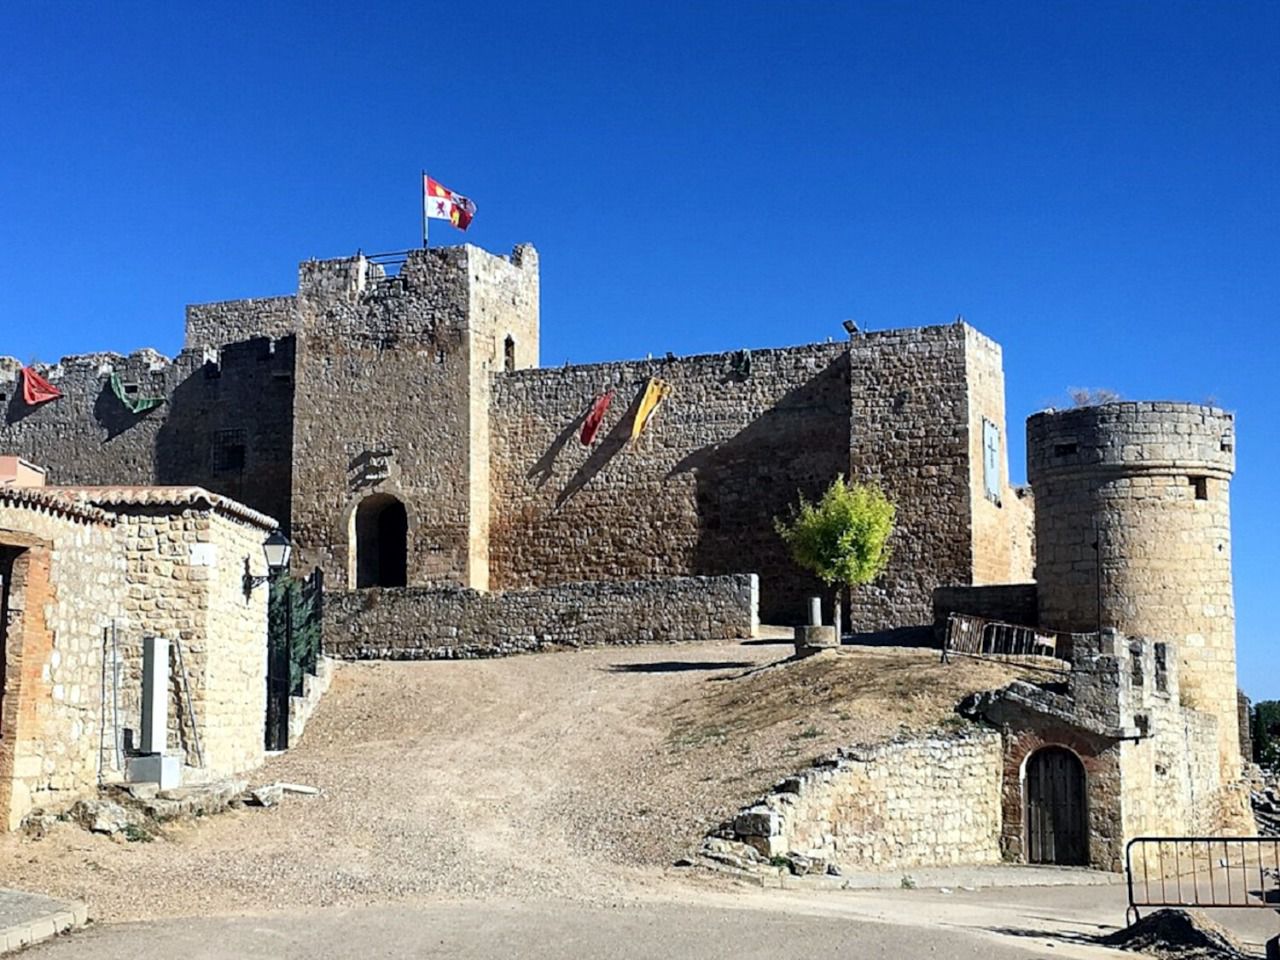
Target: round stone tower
[{"x": 1133, "y": 532}]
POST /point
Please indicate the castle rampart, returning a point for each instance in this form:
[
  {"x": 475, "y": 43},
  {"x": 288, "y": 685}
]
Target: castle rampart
[
  {"x": 1133, "y": 533},
  {"x": 199, "y": 435},
  {"x": 399, "y": 432}
]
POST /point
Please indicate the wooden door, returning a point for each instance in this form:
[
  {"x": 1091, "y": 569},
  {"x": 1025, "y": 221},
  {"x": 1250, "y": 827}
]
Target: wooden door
[{"x": 1057, "y": 820}]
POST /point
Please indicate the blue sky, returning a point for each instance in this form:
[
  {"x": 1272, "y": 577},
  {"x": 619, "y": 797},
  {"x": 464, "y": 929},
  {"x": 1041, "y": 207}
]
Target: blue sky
[{"x": 1092, "y": 184}]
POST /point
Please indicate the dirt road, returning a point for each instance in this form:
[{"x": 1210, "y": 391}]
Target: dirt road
[{"x": 577, "y": 775}]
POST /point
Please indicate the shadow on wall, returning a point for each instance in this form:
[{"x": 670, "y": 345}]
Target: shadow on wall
[
  {"x": 228, "y": 427},
  {"x": 543, "y": 470},
  {"x": 114, "y": 416},
  {"x": 797, "y": 446},
  {"x": 17, "y": 408}
]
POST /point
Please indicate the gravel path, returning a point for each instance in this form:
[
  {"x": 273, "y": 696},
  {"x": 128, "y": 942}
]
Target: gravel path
[{"x": 576, "y": 775}]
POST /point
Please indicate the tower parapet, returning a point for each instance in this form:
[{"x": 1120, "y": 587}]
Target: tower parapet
[{"x": 1133, "y": 532}]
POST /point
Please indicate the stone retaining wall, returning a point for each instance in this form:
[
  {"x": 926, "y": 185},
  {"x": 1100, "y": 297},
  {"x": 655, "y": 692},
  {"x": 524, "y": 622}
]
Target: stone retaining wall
[
  {"x": 1006, "y": 602},
  {"x": 416, "y": 623},
  {"x": 922, "y": 802}
]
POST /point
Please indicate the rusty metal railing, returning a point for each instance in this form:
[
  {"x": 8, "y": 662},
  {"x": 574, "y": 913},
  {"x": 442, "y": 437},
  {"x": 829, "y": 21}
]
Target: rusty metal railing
[
  {"x": 1202, "y": 872},
  {"x": 971, "y": 636}
]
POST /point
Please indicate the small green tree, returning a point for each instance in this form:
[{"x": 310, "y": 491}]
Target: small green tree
[
  {"x": 843, "y": 538},
  {"x": 1266, "y": 733}
]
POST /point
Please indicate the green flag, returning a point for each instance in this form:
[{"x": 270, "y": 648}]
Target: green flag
[{"x": 136, "y": 404}]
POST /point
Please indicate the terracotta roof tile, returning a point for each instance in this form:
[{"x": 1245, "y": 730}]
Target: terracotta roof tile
[{"x": 122, "y": 496}]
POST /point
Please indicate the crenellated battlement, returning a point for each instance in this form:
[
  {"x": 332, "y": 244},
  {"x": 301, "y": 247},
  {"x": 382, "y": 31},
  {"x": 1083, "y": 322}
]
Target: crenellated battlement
[{"x": 360, "y": 295}]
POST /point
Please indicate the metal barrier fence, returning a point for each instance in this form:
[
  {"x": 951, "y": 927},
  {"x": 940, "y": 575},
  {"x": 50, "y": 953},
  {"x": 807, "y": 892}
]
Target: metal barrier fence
[
  {"x": 1202, "y": 872},
  {"x": 972, "y": 636}
]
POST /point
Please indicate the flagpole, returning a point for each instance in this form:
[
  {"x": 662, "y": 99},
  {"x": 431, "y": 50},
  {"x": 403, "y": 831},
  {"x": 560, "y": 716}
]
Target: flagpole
[{"x": 424, "y": 209}]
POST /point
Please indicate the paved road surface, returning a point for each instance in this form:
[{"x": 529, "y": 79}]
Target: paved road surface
[
  {"x": 535, "y": 932},
  {"x": 995, "y": 923}
]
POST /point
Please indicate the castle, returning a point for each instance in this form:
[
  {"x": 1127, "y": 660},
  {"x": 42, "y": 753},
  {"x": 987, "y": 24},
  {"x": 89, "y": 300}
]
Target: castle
[
  {"x": 398, "y": 426},
  {"x": 401, "y": 431}
]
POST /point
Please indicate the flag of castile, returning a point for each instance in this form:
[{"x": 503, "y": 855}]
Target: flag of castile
[{"x": 441, "y": 203}]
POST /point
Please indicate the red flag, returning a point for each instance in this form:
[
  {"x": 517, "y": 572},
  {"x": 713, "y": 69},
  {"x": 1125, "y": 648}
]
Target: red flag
[
  {"x": 594, "y": 417},
  {"x": 36, "y": 389}
]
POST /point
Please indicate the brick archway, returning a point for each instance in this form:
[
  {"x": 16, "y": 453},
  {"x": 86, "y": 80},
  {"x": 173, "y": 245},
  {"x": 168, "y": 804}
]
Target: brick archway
[{"x": 24, "y": 642}]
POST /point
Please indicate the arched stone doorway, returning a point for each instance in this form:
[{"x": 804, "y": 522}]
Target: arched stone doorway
[
  {"x": 381, "y": 542},
  {"x": 1056, "y": 811}
]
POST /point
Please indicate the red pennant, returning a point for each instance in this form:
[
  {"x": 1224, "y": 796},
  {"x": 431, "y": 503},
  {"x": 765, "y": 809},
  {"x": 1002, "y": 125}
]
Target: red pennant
[
  {"x": 36, "y": 389},
  {"x": 595, "y": 416}
]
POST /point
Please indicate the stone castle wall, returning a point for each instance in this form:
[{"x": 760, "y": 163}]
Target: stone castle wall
[
  {"x": 423, "y": 624},
  {"x": 398, "y": 387},
  {"x": 226, "y": 423},
  {"x": 383, "y": 403},
  {"x": 918, "y": 397},
  {"x": 696, "y": 494},
  {"x": 234, "y": 321},
  {"x": 729, "y": 452},
  {"x": 1149, "y": 483},
  {"x": 931, "y": 801}
]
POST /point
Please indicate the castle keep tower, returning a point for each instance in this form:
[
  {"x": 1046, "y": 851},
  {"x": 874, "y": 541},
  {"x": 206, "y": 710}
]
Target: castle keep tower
[{"x": 1133, "y": 532}]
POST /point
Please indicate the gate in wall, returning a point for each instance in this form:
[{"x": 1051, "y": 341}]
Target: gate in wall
[
  {"x": 1057, "y": 818},
  {"x": 295, "y": 614}
]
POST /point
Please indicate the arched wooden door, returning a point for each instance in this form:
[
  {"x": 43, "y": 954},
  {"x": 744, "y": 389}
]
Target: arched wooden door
[{"x": 1057, "y": 819}]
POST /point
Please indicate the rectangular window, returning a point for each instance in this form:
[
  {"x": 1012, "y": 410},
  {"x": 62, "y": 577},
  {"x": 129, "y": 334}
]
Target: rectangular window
[
  {"x": 1201, "y": 487},
  {"x": 1065, "y": 449},
  {"x": 1162, "y": 667},
  {"x": 228, "y": 451},
  {"x": 991, "y": 461}
]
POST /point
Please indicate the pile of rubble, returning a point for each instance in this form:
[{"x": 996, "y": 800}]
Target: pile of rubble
[
  {"x": 722, "y": 852},
  {"x": 1265, "y": 797},
  {"x": 1179, "y": 935},
  {"x": 136, "y": 811}
]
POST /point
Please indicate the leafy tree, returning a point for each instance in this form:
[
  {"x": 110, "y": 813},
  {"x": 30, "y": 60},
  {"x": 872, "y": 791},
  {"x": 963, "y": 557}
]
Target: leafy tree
[
  {"x": 1266, "y": 733},
  {"x": 843, "y": 538}
]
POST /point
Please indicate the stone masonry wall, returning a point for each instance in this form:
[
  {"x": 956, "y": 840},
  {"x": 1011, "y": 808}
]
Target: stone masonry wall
[
  {"x": 695, "y": 494},
  {"x": 226, "y": 424},
  {"x": 1148, "y": 482},
  {"x": 730, "y": 451},
  {"x": 66, "y": 582},
  {"x": 423, "y": 624},
  {"x": 185, "y": 569},
  {"x": 909, "y": 431},
  {"x": 932, "y": 801},
  {"x": 1006, "y": 602},
  {"x": 233, "y": 720},
  {"x": 383, "y": 405},
  {"x": 234, "y": 321},
  {"x": 1002, "y": 535}
]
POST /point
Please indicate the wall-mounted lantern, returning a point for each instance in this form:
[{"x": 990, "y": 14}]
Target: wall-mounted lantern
[{"x": 277, "y": 550}]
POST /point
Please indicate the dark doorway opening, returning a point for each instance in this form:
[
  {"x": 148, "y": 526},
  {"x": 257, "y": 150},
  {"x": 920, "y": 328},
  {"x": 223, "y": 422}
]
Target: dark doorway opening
[
  {"x": 1057, "y": 817},
  {"x": 382, "y": 531}
]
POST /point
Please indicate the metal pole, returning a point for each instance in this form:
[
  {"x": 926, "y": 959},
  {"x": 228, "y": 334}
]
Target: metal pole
[
  {"x": 115, "y": 696},
  {"x": 1097, "y": 547},
  {"x": 102, "y": 709},
  {"x": 191, "y": 710}
]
